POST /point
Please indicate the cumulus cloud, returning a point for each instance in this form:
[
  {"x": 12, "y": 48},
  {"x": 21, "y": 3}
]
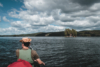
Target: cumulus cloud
[
  {"x": 86, "y": 2},
  {"x": 51, "y": 28},
  {"x": 1, "y": 5},
  {"x": 79, "y": 24},
  {"x": 16, "y": 30},
  {"x": 39, "y": 15},
  {"x": 8, "y": 31},
  {"x": 48, "y": 6},
  {"x": 20, "y": 25},
  {"x": 36, "y": 19},
  {"x": 5, "y": 19}
]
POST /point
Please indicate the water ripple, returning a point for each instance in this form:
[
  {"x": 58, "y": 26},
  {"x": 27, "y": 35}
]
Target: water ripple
[{"x": 55, "y": 51}]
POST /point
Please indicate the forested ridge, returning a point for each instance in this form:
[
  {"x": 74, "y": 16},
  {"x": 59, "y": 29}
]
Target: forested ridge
[{"x": 85, "y": 33}]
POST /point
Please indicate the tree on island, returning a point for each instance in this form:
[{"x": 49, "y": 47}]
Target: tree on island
[
  {"x": 74, "y": 32},
  {"x": 70, "y": 33}
]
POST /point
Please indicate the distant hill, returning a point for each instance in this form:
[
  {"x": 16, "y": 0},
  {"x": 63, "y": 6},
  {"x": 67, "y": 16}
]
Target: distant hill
[
  {"x": 33, "y": 34},
  {"x": 89, "y": 33}
]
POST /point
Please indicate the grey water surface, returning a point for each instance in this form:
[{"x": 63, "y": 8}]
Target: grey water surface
[{"x": 55, "y": 51}]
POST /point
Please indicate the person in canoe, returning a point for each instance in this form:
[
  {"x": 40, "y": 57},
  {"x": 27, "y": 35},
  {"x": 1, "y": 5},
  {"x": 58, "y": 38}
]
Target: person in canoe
[{"x": 28, "y": 54}]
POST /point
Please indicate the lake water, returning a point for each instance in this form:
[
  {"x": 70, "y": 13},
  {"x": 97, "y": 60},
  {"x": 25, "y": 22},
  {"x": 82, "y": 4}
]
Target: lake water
[{"x": 55, "y": 51}]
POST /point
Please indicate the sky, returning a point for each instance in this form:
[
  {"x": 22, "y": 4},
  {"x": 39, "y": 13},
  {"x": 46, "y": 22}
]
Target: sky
[{"x": 33, "y": 16}]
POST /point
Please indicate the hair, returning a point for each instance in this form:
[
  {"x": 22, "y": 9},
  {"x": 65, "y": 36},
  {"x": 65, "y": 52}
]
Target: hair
[{"x": 26, "y": 44}]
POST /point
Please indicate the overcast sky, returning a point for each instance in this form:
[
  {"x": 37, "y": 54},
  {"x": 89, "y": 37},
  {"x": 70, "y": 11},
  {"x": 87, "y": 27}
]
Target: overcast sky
[{"x": 32, "y": 16}]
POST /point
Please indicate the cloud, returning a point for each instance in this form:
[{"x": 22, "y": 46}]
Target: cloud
[
  {"x": 16, "y": 30},
  {"x": 79, "y": 24},
  {"x": 51, "y": 28},
  {"x": 56, "y": 15},
  {"x": 86, "y": 2},
  {"x": 49, "y": 6},
  {"x": 95, "y": 7},
  {"x": 1, "y": 5},
  {"x": 19, "y": 25},
  {"x": 8, "y": 31},
  {"x": 37, "y": 19},
  {"x": 5, "y": 19}
]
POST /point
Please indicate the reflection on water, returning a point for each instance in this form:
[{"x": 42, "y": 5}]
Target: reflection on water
[{"x": 55, "y": 51}]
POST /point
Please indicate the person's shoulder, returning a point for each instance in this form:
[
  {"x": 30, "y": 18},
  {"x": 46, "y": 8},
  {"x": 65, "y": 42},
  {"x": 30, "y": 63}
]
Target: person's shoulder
[
  {"x": 17, "y": 50},
  {"x": 33, "y": 51}
]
